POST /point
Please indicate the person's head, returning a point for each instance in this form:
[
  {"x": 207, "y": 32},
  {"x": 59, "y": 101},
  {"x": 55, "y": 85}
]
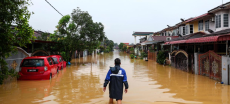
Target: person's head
[{"x": 117, "y": 61}]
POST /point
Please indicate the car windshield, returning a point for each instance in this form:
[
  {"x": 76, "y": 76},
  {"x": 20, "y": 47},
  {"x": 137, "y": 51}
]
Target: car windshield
[
  {"x": 33, "y": 63},
  {"x": 55, "y": 60}
]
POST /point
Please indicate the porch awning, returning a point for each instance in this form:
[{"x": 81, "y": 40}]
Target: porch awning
[
  {"x": 209, "y": 39},
  {"x": 149, "y": 42},
  {"x": 202, "y": 39},
  {"x": 167, "y": 43},
  {"x": 177, "y": 42}
]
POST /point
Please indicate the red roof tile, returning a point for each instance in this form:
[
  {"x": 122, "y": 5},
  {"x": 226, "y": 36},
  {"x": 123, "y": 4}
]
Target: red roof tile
[
  {"x": 198, "y": 17},
  {"x": 126, "y": 43}
]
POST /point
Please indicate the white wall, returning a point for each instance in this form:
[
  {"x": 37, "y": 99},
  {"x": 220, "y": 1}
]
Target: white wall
[
  {"x": 225, "y": 70},
  {"x": 222, "y": 20}
]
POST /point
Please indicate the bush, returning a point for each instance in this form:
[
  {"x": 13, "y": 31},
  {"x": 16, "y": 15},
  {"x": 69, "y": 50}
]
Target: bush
[
  {"x": 151, "y": 50},
  {"x": 6, "y": 73},
  {"x": 131, "y": 56},
  {"x": 143, "y": 54},
  {"x": 107, "y": 50},
  {"x": 132, "y": 49},
  {"x": 63, "y": 54},
  {"x": 160, "y": 57}
]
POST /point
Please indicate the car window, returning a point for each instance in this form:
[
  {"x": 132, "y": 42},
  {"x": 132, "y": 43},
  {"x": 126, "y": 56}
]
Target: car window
[
  {"x": 60, "y": 59},
  {"x": 32, "y": 63},
  {"x": 50, "y": 61},
  {"x": 55, "y": 59}
]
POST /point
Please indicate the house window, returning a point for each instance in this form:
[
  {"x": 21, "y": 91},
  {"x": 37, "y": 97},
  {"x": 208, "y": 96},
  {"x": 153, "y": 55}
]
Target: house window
[
  {"x": 186, "y": 29},
  {"x": 218, "y": 21},
  {"x": 173, "y": 34},
  {"x": 191, "y": 29},
  {"x": 179, "y": 30},
  {"x": 206, "y": 25},
  {"x": 183, "y": 31},
  {"x": 200, "y": 25},
  {"x": 225, "y": 20}
]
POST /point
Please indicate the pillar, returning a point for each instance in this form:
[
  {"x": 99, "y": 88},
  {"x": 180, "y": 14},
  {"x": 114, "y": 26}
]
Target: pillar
[
  {"x": 226, "y": 47},
  {"x": 215, "y": 47},
  {"x": 171, "y": 47},
  {"x": 32, "y": 47},
  {"x": 194, "y": 48},
  {"x": 178, "y": 47},
  {"x": 135, "y": 40}
]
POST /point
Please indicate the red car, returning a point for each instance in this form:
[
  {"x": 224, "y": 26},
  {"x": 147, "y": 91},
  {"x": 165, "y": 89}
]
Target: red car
[
  {"x": 37, "y": 67},
  {"x": 58, "y": 59}
]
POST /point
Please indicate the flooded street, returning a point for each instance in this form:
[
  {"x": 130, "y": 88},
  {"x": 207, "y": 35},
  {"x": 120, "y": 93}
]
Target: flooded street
[{"x": 149, "y": 83}]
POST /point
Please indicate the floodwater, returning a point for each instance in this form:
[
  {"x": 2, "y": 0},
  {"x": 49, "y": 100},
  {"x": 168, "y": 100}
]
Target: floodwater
[{"x": 149, "y": 83}]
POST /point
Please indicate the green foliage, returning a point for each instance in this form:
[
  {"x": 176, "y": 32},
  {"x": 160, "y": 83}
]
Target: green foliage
[
  {"x": 108, "y": 43},
  {"x": 102, "y": 48},
  {"x": 65, "y": 56},
  {"x": 77, "y": 32},
  {"x": 160, "y": 57},
  {"x": 121, "y": 45},
  {"x": 132, "y": 49},
  {"x": 131, "y": 56},
  {"x": 13, "y": 12},
  {"x": 143, "y": 54},
  {"x": 6, "y": 73},
  {"x": 151, "y": 49},
  {"x": 124, "y": 48},
  {"x": 107, "y": 50}
]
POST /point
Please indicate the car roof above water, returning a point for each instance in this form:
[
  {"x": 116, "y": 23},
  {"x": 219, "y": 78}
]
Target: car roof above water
[
  {"x": 55, "y": 55},
  {"x": 37, "y": 57}
]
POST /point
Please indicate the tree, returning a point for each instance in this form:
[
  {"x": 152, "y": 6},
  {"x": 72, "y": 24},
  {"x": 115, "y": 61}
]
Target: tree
[
  {"x": 121, "y": 45},
  {"x": 13, "y": 12},
  {"x": 111, "y": 45},
  {"x": 79, "y": 32}
]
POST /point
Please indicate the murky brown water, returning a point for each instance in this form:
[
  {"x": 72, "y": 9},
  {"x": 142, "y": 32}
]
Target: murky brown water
[{"x": 149, "y": 83}]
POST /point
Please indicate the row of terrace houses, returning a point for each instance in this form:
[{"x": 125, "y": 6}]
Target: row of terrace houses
[{"x": 199, "y": 45}]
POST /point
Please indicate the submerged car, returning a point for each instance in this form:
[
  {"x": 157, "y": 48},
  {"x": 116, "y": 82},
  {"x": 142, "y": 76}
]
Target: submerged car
[
  {"x": 58, "y": 59},
  {"x": 37, "y": 67}
]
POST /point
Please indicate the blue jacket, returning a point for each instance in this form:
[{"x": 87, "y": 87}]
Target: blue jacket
[{"x": 116, "y": 80}]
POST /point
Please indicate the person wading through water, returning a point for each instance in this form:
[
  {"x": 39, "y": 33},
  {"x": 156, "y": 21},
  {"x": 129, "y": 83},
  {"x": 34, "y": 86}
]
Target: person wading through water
[{"x": 116, "y": 76}]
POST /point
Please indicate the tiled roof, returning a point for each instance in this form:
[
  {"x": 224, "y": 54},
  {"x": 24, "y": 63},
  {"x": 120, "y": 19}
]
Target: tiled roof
[
  {"x": 163, "y": 38},
  {"x": 37, "y": 34},
  {"x": 142, "y": 33},
  {"x": 126, "y": 43},
  {"x": 191, "y": 36},
  {"x": 222, "y": 6},
  {"x": 198, "y": 17},
  {"x": 222, "y": 32}
]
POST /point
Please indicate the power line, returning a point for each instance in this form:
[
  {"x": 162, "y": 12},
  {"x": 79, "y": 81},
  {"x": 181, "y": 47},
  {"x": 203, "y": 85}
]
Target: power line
[{"x": 53, "y": 7}]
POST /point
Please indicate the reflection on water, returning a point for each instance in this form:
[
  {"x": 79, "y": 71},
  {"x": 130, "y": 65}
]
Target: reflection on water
[{"x": 150, "y": 83}]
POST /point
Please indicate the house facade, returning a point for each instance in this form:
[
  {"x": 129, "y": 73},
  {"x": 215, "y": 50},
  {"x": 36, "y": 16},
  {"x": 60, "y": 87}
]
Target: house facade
[{"x": 201, "y": 46}]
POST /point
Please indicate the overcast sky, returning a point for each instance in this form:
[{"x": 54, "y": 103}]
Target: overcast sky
[{"x": 121, "y": 17}]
